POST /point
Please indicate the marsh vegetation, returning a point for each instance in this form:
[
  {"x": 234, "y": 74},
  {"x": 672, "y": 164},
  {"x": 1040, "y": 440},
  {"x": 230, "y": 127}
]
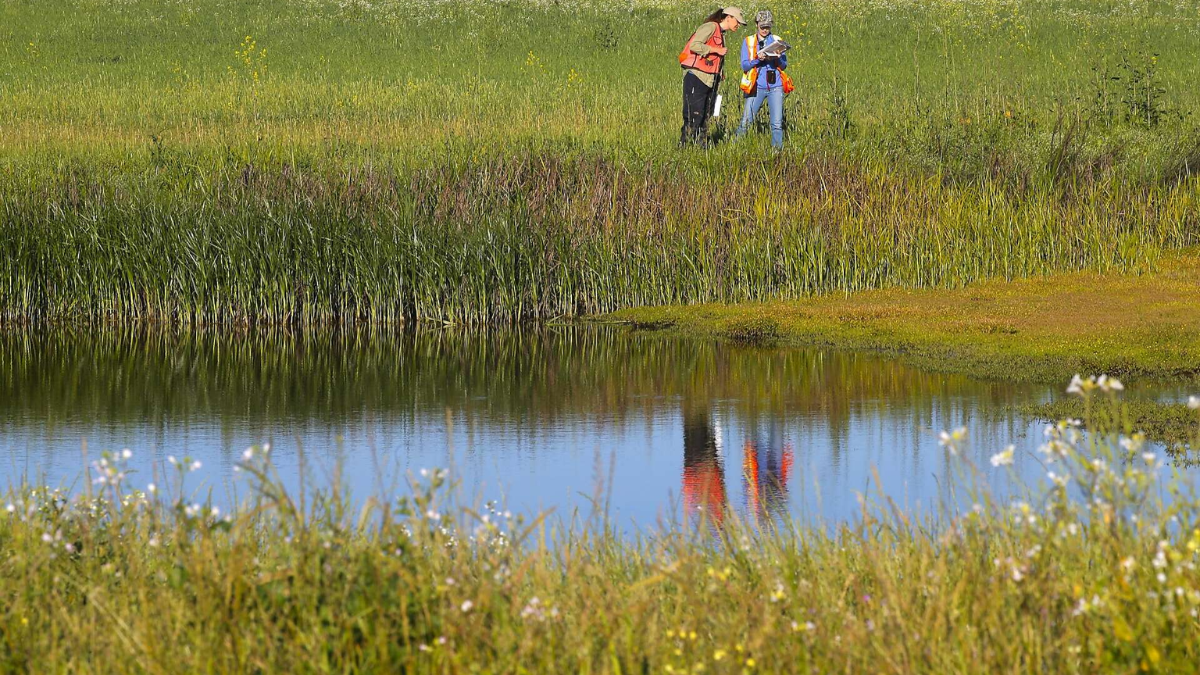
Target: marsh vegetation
[
  {"x": 315, "y": 161},
  {"x": 228, "y": 162}
]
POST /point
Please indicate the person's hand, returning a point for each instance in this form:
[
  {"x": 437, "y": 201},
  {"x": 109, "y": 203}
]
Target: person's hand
[{"x": 719, "y": 51}]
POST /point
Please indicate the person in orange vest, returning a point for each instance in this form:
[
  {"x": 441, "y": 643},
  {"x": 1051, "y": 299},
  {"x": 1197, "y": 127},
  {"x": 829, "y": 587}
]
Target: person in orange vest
[
  {"x": 701, "y": 59},
  {"x": 763, "y": 79}
]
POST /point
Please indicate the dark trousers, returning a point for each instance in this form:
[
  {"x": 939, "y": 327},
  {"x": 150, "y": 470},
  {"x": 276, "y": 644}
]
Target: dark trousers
[{"x": 698, "y": 101}]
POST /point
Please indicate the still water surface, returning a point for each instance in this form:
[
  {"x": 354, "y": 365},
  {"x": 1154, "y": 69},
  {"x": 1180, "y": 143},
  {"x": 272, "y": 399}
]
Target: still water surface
[{"x": 554, "y": 419}]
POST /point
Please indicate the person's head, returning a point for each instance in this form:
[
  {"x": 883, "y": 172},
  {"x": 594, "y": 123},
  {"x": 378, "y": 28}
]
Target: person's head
[
  {"x": 764, "y": 20},
  {"x": 728, "y": 18}
]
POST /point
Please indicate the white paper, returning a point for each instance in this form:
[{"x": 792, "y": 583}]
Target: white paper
[
  {"x": 776, "y": 48},
  {"x": 717, "y": 107}
]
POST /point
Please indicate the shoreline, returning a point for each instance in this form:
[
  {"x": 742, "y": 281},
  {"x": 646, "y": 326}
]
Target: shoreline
[{"x": 1043, "y": 329}]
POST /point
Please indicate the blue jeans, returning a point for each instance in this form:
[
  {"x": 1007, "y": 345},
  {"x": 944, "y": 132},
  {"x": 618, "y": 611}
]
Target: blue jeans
[{"x": 774, "y": 99}]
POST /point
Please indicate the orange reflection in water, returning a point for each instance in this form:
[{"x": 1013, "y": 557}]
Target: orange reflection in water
[
  {"x": 766, "y": 468},
  {"x": 703, "y": 469},
  {"x": 765, "y": 472}
]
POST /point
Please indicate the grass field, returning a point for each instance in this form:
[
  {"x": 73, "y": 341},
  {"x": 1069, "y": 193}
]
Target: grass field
[
  {"x": 967, "y": 87},
  {"x": 306, "y": 162},
  {"x": 1093, "y": 573}
]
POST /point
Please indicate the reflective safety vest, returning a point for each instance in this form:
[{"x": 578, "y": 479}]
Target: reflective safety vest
[
  {"x": 750, "y": 77},
  {"x": 706, "y": 64}
]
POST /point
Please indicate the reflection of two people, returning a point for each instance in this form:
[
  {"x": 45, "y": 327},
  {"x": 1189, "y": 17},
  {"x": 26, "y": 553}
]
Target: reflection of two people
[{"x": 766, "y": 466}]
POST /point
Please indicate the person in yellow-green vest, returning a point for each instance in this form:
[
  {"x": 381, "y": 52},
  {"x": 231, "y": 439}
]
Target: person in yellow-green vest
[
  {"x": 763, "y": 79},
  {"x": 702, "y": 58}
]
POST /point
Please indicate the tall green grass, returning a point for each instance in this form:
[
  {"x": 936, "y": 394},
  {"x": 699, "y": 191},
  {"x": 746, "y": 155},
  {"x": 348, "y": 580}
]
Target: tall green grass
[
  {"x": 961, "y": 87},
  {"x": 1094, "y": 571},
  {"x": 535, "y": 234},
  {"x": 232, "y": 162}
]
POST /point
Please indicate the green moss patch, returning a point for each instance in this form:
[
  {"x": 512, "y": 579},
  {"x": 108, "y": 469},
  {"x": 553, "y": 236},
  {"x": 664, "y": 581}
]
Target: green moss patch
[{"x": 1043, "y": 329}]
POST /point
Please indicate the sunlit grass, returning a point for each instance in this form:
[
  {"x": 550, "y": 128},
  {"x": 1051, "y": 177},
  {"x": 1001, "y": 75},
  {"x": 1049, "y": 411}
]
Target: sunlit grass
[
  {"x": 316, "y": 161},
  {"x": 1040, "y": 329},
  {"x": 531, "y": 234}
]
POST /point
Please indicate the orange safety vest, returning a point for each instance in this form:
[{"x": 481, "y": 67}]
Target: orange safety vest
[
  {"x": 750, "y": 77},
  {"x": 706, "y": 64}
]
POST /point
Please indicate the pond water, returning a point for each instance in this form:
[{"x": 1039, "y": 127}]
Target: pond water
[{"x": 645, "y": 426}]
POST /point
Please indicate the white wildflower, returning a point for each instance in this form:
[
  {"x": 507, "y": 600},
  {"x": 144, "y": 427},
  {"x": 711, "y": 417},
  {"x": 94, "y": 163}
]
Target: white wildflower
[
  {"x": 952, "y": 441},
  {"x": 533, "y": 608},
  {"x": 1133, "y": 444},
  {"x": 1083, "y": 606},
  {"x": 1076, "y": 385},
  {"x": 1005, "y": 457}
]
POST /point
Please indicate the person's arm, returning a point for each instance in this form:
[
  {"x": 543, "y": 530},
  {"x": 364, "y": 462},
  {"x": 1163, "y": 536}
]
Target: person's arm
[
  {"x": 700, "y": 38},
  {"x": 782, "y": 61}
]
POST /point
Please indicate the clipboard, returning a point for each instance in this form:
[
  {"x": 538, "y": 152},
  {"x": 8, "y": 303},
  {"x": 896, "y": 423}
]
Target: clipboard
[{"x": 776, "y": 48}]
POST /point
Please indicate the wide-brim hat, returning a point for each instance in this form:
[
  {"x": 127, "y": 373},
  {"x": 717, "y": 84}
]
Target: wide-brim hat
[{"x": 735, "y": 12}]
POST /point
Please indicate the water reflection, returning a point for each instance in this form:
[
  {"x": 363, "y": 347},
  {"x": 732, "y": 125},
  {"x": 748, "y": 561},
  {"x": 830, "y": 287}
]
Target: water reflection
[
  {"x": 520, "y": 416},
  {"x": 766, "y": 466},
  {"x": 703, "y": 467}
]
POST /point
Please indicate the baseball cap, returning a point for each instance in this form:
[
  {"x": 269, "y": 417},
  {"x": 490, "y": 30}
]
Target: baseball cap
[
  {"x": 764, "y": 18},
  {"x": 735, "y": 12}
]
